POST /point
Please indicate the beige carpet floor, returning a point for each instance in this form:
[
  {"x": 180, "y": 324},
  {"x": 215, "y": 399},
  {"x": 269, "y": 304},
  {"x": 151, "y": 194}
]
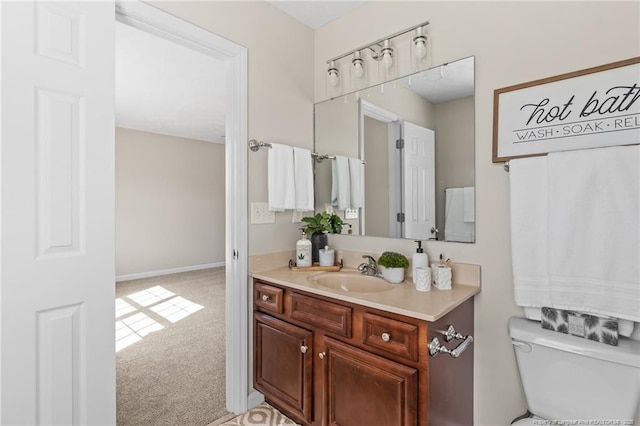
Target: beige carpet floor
[{"x": 171, "y": 361}]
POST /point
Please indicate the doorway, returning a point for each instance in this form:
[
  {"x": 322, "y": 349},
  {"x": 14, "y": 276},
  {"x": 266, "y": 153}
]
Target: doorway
[{"x": 156, "y": 22}]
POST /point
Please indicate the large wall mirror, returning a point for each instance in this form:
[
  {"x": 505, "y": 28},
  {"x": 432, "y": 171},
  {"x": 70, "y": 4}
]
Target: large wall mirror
[{"x": 404, "y": 156}]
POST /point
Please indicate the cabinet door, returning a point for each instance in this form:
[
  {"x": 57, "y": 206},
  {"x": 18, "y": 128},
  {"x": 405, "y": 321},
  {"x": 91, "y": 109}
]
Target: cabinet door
[
  {"x": 283, "y": 365},
  {"x": 365, "y": 389}
]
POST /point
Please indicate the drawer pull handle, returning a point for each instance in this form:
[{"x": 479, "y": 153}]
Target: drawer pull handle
[
  {"x": 303, "y": 349},
  {"x": 322, "y": 355},
  {"x": 435, "y": 347},
  {"x": 386, "y": 337},
  {"x": 265, "y": 298}
]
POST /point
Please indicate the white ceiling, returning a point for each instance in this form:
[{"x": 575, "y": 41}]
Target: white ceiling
[
  {"x": 444, "y": 83},
  {"x": 163, "y": 87},
  {"x": 316, "y": 13}
]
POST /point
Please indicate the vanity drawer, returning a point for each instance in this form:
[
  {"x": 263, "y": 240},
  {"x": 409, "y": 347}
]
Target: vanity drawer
[
  {"x": 325, "y": 315},
  {"x": 393, "y": 336},
  {"x": 268, "y": 297}
]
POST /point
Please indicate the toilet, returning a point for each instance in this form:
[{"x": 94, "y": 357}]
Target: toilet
[{"x": 574, "y": 379}]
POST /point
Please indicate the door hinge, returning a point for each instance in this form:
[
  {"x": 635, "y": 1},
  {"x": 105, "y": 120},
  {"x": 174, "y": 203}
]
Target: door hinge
[
  {"x": 400, "y": 217},
  {"x": 235, "y": 254},
  {"x": 400, "y": 144}
]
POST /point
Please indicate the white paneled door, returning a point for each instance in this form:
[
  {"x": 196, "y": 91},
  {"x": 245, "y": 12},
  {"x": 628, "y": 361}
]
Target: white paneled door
[
  {"x": 419, "y": 181},
  {"x": 57, "y": 213}
]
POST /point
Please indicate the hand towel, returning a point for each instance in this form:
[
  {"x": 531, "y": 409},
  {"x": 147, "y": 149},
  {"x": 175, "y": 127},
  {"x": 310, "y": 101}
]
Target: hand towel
[
  {"x": 341, "y": 183},
  {"x": 469, "y": 204},
  {"x": 528, "y": 198},
  {"x": 303, "y": 171},
  {"x": 455, "y": 228},
  {"x": 280, "y": 178},
  {"x": 594, "y": 231},
  {"x": 356, "y": 175}
]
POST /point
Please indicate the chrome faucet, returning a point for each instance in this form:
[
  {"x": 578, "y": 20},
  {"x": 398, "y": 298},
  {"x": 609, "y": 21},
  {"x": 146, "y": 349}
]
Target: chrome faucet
[{"x": 370, "y": 268}]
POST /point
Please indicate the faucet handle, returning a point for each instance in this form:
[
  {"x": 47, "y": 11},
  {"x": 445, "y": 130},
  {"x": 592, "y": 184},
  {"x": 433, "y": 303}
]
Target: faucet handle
[{"x": 370, "y": 258}]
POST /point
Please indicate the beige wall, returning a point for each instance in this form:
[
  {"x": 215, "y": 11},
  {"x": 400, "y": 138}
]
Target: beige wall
[
  {"x": 513, "y": 42},
  {"x": 280, "y": 90},
  {"x": 454, "y": 157},
  {"x": 169, "y": 202}
]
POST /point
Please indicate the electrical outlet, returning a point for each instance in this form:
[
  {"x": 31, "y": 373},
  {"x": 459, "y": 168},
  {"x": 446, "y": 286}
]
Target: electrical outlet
[
  {"x": 296, "y": 216},
  {"x": 351, "y": 213},
  {"x": 260, "y": 213}
]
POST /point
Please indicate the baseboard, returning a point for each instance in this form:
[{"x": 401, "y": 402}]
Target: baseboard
[
  {"x": 160, "y": 272},
  {"x": 254, "y": 399}
]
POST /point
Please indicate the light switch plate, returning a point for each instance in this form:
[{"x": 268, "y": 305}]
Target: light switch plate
[
  {"x": 351, "y": 213},
  {"x": 260, "y": 214}
]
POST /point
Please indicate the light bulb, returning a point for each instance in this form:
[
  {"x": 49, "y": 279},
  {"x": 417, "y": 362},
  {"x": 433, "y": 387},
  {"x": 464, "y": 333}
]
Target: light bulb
[
  {"x": 387, "y": 59},
  {"x": 358, "y": 69},
  {"x": 421, "y": 49},
  {"x": 333, "y": 78}
]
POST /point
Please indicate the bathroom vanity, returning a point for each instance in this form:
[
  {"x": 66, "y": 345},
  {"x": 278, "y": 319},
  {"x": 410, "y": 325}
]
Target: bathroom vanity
[{"x": 343, "y": 356}]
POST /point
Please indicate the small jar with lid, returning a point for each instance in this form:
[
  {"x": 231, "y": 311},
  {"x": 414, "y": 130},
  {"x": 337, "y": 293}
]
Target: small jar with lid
[{"x": 327, "y": 256}]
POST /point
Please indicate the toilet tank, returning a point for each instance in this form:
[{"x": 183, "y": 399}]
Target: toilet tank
[{"x": 570, "y": 378}]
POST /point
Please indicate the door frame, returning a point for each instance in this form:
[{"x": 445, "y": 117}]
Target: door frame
[
  {"x": 394, "y": 131},
  {"x": 155, "y": 21}
]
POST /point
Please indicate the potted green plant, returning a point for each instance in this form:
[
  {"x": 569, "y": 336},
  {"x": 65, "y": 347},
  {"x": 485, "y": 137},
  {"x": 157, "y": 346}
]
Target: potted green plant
[
  {"x": 317, "y": 227},
  {"x": 392, "y": 266}
]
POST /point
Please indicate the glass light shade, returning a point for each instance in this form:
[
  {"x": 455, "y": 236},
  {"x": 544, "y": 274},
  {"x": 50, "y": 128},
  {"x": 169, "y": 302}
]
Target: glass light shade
[
  {"x": 387, "y": 59},
  {"x": 358, "y": 69},
  {"x": 421, "y": 48},
  {"x": 334, "y": 79}
]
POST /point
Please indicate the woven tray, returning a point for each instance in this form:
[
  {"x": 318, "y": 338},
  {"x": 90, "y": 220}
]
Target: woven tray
[{"x": 315, "y": 267}]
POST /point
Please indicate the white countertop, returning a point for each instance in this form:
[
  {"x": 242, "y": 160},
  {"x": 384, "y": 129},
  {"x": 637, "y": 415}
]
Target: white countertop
[{"x": 403, "y": 299}]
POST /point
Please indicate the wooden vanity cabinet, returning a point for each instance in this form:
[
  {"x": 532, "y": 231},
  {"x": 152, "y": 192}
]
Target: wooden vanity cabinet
[{"x": 326, "y": 362}]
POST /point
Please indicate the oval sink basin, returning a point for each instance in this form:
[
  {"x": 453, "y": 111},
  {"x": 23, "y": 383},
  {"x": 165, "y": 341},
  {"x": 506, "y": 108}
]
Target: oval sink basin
[{"x": 351, "y": 282}]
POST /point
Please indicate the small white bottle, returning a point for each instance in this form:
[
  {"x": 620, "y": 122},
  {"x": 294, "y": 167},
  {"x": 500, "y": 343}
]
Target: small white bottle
[
  {"x": 303, "y": 251},
  {"x": 419, "y": 259}
]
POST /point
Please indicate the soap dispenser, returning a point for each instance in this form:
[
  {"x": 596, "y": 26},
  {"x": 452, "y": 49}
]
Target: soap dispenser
[
  {"x": 419, "y": 259},
  {"x": 303, "y": 251}
]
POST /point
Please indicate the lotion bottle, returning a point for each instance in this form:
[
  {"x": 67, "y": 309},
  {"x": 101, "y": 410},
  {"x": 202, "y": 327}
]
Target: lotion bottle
[
  {"x": 303, "y": 251},
  {"x": 419, "y": 259}
]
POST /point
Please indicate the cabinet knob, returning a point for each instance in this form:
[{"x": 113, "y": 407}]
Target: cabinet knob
[
  {"x": 322, "y": 355},
  {"x": 303, "y": 349},
  {"x": 386, "y": 337},
  {"x": 265, "y": 298}
]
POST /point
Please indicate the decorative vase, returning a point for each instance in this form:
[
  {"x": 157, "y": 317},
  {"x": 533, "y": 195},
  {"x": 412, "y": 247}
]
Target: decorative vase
[
  {"x": 318, "y": 241},
  {"x": 392, "y": 275}
]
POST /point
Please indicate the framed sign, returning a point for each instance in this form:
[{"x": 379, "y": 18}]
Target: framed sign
[{"x": 592, "y": 108}]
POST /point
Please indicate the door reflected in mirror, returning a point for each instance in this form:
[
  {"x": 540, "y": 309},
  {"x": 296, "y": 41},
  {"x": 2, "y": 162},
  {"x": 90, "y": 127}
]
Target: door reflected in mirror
[{"x": 405, "y": 156}]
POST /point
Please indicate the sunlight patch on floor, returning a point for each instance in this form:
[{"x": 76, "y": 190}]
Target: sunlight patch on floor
[
  {"x": 176, "y": 309},
  {"x": 132, "y": 324},
  {"x": 150, "y": 296},
  {"x": 123, "y": 308}
]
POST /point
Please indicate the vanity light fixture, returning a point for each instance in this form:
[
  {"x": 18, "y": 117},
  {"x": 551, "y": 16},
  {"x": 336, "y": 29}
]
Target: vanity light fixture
[
  {"x": 358, "y": 64},
  {"x": 386, "y": 55},
  {"x": 420, "y": 44},
  {"x": 381, "y": 52},
  {"x": 333, "y": 75}
]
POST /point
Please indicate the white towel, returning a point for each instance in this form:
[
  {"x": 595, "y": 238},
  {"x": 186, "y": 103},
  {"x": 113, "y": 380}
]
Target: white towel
[
  {"x": 341, "y": 183},
  {"x": 356, "y": 174},
  {"x": 303, "y": 171},
  {"x": 469, "y": 204},
  {"x": 528, "y": 197},
  {"x": 594, "y": 231},
  {"x": 455, "y": 228},
  {"x": 280, "y": 178}
]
